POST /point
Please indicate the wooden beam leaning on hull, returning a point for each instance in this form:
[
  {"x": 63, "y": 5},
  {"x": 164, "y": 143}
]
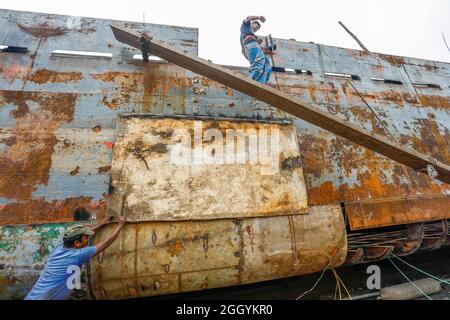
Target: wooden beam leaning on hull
[{"x": 286, "y": 103}]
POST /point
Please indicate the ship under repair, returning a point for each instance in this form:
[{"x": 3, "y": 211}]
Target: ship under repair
[{"x": 87, "y": 128}]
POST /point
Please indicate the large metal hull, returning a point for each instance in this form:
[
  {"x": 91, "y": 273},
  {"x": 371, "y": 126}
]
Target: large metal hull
[{"x": 58, "y": 128}]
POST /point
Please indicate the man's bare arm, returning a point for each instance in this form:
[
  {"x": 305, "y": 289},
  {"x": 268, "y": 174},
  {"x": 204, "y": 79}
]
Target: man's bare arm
[
  {"x": 105, "y": 221},
  {"x": 101, "y": 246},
  {"x": 252, "y": 18}
]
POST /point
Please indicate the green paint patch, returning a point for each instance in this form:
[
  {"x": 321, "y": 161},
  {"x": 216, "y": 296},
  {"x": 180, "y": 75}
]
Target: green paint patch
[
  {"x": 8, "y": 240},
  {"x": 47, "y": 237}
]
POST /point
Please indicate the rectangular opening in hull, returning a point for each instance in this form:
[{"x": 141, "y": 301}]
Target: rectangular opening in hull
[{"x": 82, "y": 54}]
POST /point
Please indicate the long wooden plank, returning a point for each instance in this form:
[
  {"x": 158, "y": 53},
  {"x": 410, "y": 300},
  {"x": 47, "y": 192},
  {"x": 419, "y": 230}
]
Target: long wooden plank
[{"x": 286, "y": 103}]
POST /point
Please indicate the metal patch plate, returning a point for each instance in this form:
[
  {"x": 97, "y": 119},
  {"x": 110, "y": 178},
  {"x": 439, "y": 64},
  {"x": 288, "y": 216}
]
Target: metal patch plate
[
  {"x": 163, "y": 169},
  {"x": 154, "y": 258}
]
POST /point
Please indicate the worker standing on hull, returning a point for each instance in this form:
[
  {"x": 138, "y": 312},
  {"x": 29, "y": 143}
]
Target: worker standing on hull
[
  {"x": 63, "y": 268},
  {"x": 260, "y": 68}
]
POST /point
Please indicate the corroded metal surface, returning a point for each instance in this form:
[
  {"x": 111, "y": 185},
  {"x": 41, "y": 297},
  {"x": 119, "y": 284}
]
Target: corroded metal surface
[
  {"x": 198, "y": 168},
  {"x": 58, "y": 116},
  {"x": 285, "y": 102},
  {"x": 404, "y": 240},
  {"x": 153, "y": 258},
  {"x": 376, "y": 191}
]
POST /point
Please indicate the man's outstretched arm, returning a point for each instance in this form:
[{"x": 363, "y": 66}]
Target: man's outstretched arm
[
  {"x": 105, "y": 221},
  {"x": 252, "y": 18},
  {"x": 111, "y": 237}
]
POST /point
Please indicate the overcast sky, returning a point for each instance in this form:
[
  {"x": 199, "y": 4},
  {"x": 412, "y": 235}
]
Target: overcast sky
[{"x": 400, "y": 27}]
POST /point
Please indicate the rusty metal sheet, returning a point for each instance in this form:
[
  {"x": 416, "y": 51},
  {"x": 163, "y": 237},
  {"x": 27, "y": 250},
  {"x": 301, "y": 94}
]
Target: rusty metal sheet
[
  {"x": 309, "y": 112},
  {"x": 376, "y": 191},
  {"x": 293, "y": 245},
  {"x": 58, "y": 114},
  {"x": 199, "y": 168},
  {"x": 154, "y": 258}
]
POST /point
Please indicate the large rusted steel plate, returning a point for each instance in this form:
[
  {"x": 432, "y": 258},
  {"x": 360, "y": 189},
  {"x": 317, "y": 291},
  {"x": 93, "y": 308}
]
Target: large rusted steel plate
[
  {"x": 292, "y": 245},
  {"x": 376, "y": 191},
  {"x": 154, "y": 258},
  {"x": 149, "y": 257},
  {"x": 200, "y": 168}
]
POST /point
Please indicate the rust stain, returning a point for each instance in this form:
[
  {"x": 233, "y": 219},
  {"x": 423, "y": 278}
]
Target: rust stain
[
  {"x": 395, "y": 60},
  {"x": 324, "y": 194},
  {"x": 13, "y": 72},
  {"x": 27, "y": 162},
  {"x": 291, "y": 163},
  {"x": 380, "y": 97},
  {"x": 390, "y": 213},
  {"x": 392, "y": 96},
  {"x": 377, "y": 69},
  {"x": 75, "y": 171},
  {"x": 435, "y": 101},
  {"x": 359, "y": 53},
  {"x": 229, "y": 92},
  {"x": 411, "y": 98},
  {"x": 169, "y": 84},
  {"x": 431, "y": 140},
  {"x": 104, "y": 169},
  {"x": 43, "y": 30},
  {"x": 429, "y": 67},
  {"x": 315, "y": 152},
  {"x": 155, "y": 81},
  {"x": 9, "y": 141},
  {"x": 45, "y": 75},
  {"x": 127, "y": 83},
  {"x": 312, "y": 93},
  {"x": 40, "y": 211},
  {"x": 176, "y": 248},
  {"x": 371, "y": 182},
  {"x": 363, "y": 115}
]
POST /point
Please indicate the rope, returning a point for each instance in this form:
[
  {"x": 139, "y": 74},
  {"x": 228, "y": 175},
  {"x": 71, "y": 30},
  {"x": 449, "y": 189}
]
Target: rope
[
  {"x": 420, "y": 290},
  {"x": 342, "y": 282},
  {"x": 317, "y": 282},
  {"x": 336, "y": 289},
  {"x": 425, "y": 273},
  {"x": 443, "y": 37}
]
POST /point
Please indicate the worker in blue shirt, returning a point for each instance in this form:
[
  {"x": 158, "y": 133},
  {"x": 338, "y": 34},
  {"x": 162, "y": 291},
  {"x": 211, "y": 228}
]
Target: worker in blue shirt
[
  {"x": 260, "y": 68},
  {"x": 56, "y": 281}
]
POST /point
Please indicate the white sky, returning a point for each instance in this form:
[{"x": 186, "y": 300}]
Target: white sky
[{"x": 400, "y": 27}]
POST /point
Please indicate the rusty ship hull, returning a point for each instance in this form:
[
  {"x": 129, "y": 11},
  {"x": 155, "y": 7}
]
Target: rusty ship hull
[{"x": 60, "y": 156}]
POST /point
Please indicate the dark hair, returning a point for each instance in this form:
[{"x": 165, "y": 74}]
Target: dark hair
[
  {"x": 257, "y": 22},
  {"x": 69, "y": 242}
]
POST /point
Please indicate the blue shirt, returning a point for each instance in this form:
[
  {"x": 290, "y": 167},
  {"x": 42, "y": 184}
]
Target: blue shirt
[{"x": 52, "y": 284}]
